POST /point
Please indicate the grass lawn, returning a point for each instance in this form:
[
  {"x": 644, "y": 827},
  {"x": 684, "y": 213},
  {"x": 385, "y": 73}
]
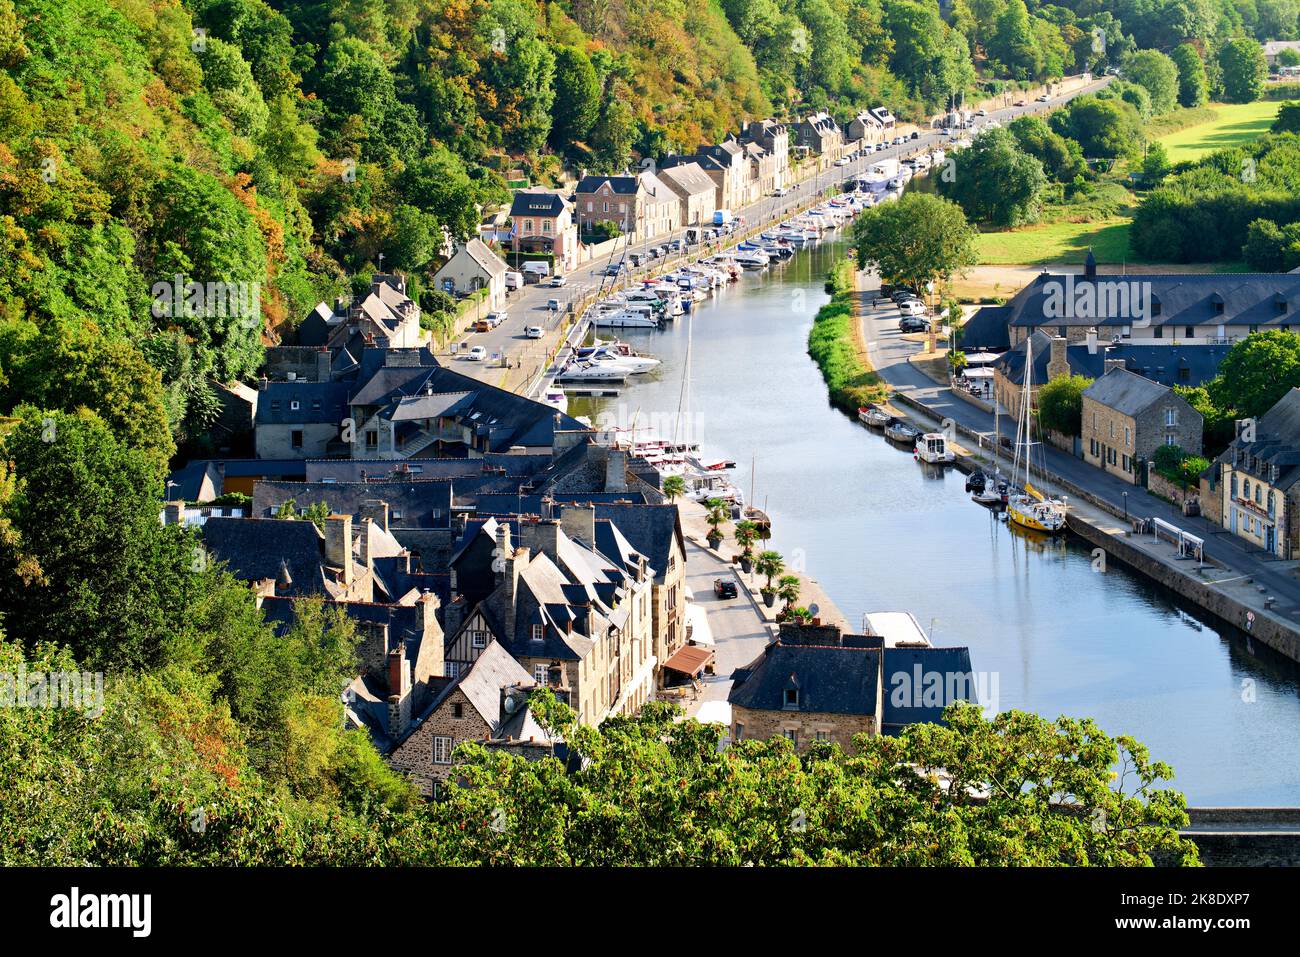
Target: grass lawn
[
  {"x": 1233, "y": 123},
  {"x": 1057, "y": 242}
]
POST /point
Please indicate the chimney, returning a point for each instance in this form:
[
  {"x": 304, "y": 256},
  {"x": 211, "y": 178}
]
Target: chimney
[
  {"x": 1092, "y": 341},
  {"x": 542, "y": 537},
  {"x": 1114, "y": 364},
  {"x": 506, "y": 564},
  {"x": 1058, "y": 364},
  {"x": 323, "y": 371},
  {"x": 616, "y": 471},
  {"x": 376, "y": 511},
  {"x": 338, "y": 544},
  {"x": 262, "y": 383},
  {"x": 433, "y": 644},
  {"x": 174, "y": 513},
  {"x": 399, "y": 675},
  {"x": 579, "y": 521},
  {"x": 366, "y": 556},
  {"x": 453, "y": 616}
]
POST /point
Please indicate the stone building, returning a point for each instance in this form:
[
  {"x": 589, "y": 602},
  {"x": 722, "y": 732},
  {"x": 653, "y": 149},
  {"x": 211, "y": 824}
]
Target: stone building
[
  {"x": 815, "y": 684},
  {"x": 1255, "y": 482},
  {"x": 472, "y": 267},
  {"x": 542, "y": 221},
  {"x": 695, "y": 189},
  {"x": 640, "y": 204},
  {"x": 299, "y": 419},
  {"x": 1127, "y": 417}
]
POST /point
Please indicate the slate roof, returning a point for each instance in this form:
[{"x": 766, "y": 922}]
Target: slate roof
[
  {"x": 1126, "y": 392},
  {"x": 489, "y": 261},
  {"x": 649, "y": 528},
  {"x": 626, "y": 185},
  {"x": 688, "y": 179},
  {"x": 423, "y": 504},
  {"x": 1189, "y": 365},
  {"x": 1184, "y": 299},
  {"x": 987, "y": 329},
  {"x": 1276, "y": 445},
  {"x": 902, "y": 703},
  {"x": 197, "y": 481},
  {"x": 319, "y": 403},
  {"x": 831, "y": 679},
  {"x": 253, "y": 549},
  {"x": 536, "y": 203}
]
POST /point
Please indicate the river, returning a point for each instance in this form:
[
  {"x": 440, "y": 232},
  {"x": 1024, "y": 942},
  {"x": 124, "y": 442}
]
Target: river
[{"x": 879, "y": 532}]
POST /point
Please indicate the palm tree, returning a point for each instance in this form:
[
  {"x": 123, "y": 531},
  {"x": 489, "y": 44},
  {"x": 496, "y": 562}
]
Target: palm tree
[
  {"x": 769, "y": 564},
  {"x": 674, "y": 486},
  {"x": 788, "y": 590},
  {"x": 716, "y": 516},
  {"x": 746, "y": 533}
]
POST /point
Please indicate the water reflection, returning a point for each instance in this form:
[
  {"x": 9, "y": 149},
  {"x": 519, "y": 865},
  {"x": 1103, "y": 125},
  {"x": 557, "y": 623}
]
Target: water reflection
[{"x": 879, "y": 531}]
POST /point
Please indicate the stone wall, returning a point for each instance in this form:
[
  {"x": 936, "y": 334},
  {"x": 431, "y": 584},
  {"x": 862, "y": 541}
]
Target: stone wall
[
  {"x": 414, "y": 756},
  {"x": 1174, "y": 491},
  {"x": 762, "y": 725}
]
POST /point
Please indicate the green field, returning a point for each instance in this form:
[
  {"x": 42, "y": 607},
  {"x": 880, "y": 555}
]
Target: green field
[
  {"x": 1233, "y": 123},
  {"x": 1057, "y": 242}
]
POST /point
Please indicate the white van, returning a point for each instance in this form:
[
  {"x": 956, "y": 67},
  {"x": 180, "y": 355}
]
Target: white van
[
  {"x": 537, "y": 268},
  {"x": 514, "y": 280}
]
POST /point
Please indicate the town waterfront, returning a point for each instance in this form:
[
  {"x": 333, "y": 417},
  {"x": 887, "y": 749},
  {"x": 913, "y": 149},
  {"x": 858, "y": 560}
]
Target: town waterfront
[{"x": 879, "y": 532}]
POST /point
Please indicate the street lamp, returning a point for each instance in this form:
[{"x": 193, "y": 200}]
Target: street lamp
[{"x": 1125, "y": 494}]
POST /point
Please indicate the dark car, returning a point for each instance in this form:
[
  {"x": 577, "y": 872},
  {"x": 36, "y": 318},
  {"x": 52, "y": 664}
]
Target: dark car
[
  {"x": 902, "y": 294},
  {"x": 913, "y": 324},
  {"x": 916, "y": 135},
  {"x": 724, "y": 588}
]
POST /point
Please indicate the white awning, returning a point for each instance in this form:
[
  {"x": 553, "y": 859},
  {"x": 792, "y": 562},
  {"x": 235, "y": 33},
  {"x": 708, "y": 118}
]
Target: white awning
[{"x": 697, "y": 620}]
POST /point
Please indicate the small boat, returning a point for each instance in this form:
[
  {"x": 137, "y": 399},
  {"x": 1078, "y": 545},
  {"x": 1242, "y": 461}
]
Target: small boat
[
  {"x": 752, "y": 259},
  {"x": 932, "y": 447},
  {"x": 1027, "y": 507},
  {"x": 556, "y": 399},
  {"x": 592, "y": 372},
  {"x": 899, "y": 431},
  {"x": 873, "y": 416},
  {"x": 624, "y": 319}
]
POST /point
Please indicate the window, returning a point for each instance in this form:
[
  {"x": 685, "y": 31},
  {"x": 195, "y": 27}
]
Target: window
[
  {"x": 528, "y": 225},
  {"x": 453, "y": 669},
  {"x": 791, "y": 697},
  {"x": 792, "y": 735},
  {"x": 1158, "y": 332},
  {"x": 1171, "y": 439},
  {"x": 372, "y": 439},
  {"x": 295, "y": 438},
  {"x": 546, "y": 225},
  {"x": 458, "y": 710},
  {"x": 823, "y": 735},
  {"x": 441, "y": 749},
  {"x": 1128, "y": 437},
  {"x": 1245, "y": 488},
  {"x": 1257, "y": 496},
  {"x": 538, "y": 632},
  {"x": 293, "y": 405},
  {"x": 478, "y": 639},
  {"x": 740, "y": 731},
  {"x": 606, "y": 209},
  {"x": 1270, "y": 503},
  {"x": 1062, "y": 331},
  {"x": 539, "y": 675},
  {"x": 589, "y": 206},
  {"x": 1234, "y": 484},
  {"x": 1191, "y": 332},
  {"x": 1124, "y": 463}
]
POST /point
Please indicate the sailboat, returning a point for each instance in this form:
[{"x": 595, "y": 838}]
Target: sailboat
[{"x": 1027, "y": 507}]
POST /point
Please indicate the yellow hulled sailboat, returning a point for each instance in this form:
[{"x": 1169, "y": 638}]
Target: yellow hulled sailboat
[{"x": 1029, "y": 508}]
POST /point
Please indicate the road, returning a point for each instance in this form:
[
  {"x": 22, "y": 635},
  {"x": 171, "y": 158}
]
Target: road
[
  {"x": 888, "y": 351},
  {"x": 529, "y": 306}
]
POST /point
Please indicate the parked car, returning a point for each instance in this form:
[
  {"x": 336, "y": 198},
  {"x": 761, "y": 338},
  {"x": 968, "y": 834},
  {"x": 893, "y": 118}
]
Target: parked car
[
  {"x": 613, "y": 269},
  {"x": 913, "y": 324},
  {"x": 634, "y": 259},
  {"x": 498, "y": 316},
  {"x": 842, "y": 161},
  {"x": 911, "y": 307},
  {"x": 482, "y": 325},
  {"x": 898, "y": 141},
  {"x": 724, "y": 588},
  {"x": 553, "y": 305},
  {"x": 780, "y": 191},
  {"x": 916, "y": 134},
  {"x": 900, "y": 293},
  {"x": 534, "y": 332},
  {"x": 1044, "y": 99},
  {"x": 476, "y": 354}
]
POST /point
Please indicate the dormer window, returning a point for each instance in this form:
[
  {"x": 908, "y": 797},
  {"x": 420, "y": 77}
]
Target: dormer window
[
  {"x": 538, "y": 632},
  {"x": 293, "y": 405},
  {"x": 792, "y": 697},
  {"x": 1216, "y": 302}
]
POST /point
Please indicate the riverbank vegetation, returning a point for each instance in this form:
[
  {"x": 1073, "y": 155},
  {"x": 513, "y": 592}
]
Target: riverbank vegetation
[{"x": 835, "y": 343}]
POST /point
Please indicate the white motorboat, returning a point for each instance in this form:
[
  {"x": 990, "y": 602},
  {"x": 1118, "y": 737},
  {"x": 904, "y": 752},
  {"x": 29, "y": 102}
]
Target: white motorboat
[
  {"x": 623, "y": 319},
  {"x": 592, "y": 372},
  {"x": 635, "y": 365},
  {"x": 556, "y": 399},
  {"x": 932, "y": 447},
  {"x": 752, "y": 259}
]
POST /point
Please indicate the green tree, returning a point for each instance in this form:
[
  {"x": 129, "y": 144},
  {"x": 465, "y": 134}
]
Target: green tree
[
  {"x": 1014, "y": 42},
  {"x": 1062, "y": 158},
  {"x": 674, "y": 486},
  {"x": 577, "y": 97},
  {"x": 1244, "y": 70},
  {"x": 1104, "y": 128},
  {"x": 1288, "y": 118},
  {"x": 1257, "y": 372},
  {"x": 1193, "y": 85},
  {"x": 996, "y": 182},
  {"x": 1060, "y": 404},
  {"x": 1157, "y": 74},
  {"x": 915, "y": 241}
]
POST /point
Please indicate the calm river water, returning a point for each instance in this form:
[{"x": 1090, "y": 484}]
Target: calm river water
[{"x": 880, "y": 533}]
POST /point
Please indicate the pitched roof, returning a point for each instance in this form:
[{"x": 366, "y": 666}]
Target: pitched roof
[
  {"x": 254, "y": 548},
  {"x": 828, "y": 678},
  {"x": 918, "y": 683},
  {"x": 1126, "y": 392},
  {"x": 627, "y": 184},
  {"x": 529, "y": 202},
  {"x": 302, "y": 403},
  {"x": 1276, "y": 444},
  {"x": 688, "y": 179},
  {"x": 649, "y": 528}
]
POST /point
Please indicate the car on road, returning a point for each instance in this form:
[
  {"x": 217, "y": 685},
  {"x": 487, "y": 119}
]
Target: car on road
[
  {"x": 899, "y": 293},
  {"x": 497, "y": 316},
  {"x": 898, "y": 141},
  {"x": 634, "y": 259},
  {"x": 981, "y": 112},
  {"x": 1021, "y": 103},
  {"x": 558, "y": 281},
  {"x": 911, "y": 307},
  {"x": 534, "y": 332},
  {"x": 553, "y": 305},
  {"x": 916, "y": 134},
  {"x": 842, "y": 161},
  {"x": 476, "y": 354},
  {"x": 514, "y": 280},
  {"x": 945, "y": 132},
  {"x": 613, "y": 269},
  {"x": 724, "y": 588},
  {"x": 482, "y": 325},
  {"x": 913, "y": 324},
  {"x": 780, "y": 191},
  {"x": 1044, "y": 99}
]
